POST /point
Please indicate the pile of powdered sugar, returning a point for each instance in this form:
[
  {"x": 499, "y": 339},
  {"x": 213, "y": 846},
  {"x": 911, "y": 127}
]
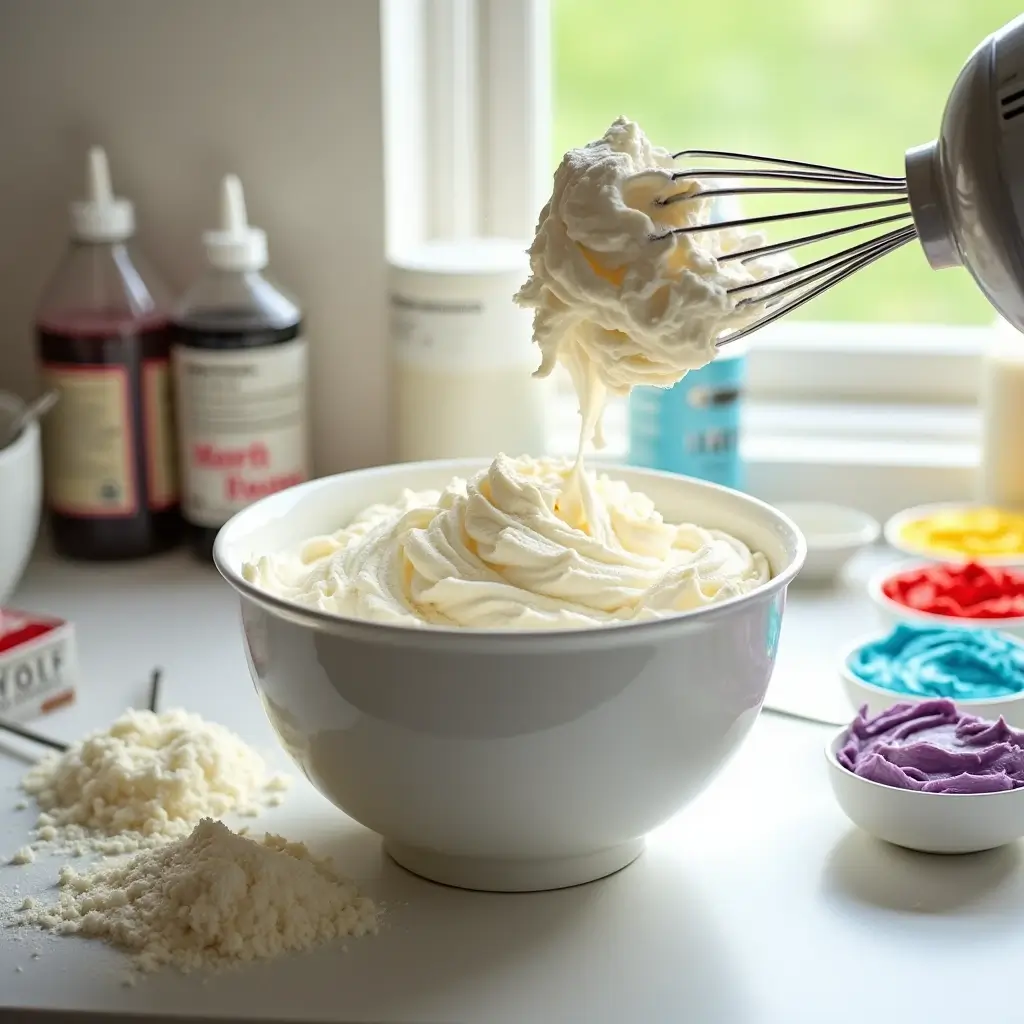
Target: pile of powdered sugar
[
  {"x": 209, "y": 900},
  {"x": 144, "y": 781}
]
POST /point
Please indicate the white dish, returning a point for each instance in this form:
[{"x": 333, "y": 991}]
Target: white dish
[
  {"x": 878, "y": 699},
  {"x": 834, "y": 534},
  {"x": 895, "y": 525},
  {"x": 891, "y": 612},
  {"x": 503, "y": 760},
  {"x": 928, "y": 822},
  {"x": 21, "y": 496}
]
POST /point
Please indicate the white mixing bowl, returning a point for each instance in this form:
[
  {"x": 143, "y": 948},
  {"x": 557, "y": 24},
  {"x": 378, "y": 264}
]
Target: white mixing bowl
[
  {"x": 21, "y": 495},
  {"x": 501, "y": 760}
]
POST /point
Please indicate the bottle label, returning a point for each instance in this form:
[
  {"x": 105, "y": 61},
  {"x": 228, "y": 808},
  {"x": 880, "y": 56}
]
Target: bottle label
[
  {"x": 87, "y": 441},
  {"x": 488, "y": 333},
  {"x": 242, "y": 426},
  {"x": 161, "y": 454},
  {"x": 692, "y": 428}
]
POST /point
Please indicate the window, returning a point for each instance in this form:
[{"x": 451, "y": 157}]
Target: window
[
  {"x": 853, "y": 84},
  {"x": 868, "y": 394}
]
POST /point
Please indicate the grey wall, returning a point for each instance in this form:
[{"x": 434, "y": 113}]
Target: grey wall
[{"x": 285, "y": 93}]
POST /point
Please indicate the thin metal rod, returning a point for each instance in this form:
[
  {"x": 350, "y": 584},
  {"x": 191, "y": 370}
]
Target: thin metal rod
[
  {"x": 682, "y": 197},
  {"x": 822, "y": 261},
  {"x": 775, "y": 218},
  {"x": 154, "y": 689},
  {"x": 724, "y": 154},
  {"x": 837, "y": 273},
  {"x": 748, "y": 255},
  {"x": 813, "y": 293},
  {"x": 28, "y": 734},
  {"x": 834, "y": 271},
  {"x": 697, "y": 173},
  {"x": 829, "y": 266},
  {"x": 832, "y": 267}
]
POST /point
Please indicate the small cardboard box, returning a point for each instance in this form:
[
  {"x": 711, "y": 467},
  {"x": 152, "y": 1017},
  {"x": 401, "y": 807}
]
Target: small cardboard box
[{"x": 38, "y": 664}]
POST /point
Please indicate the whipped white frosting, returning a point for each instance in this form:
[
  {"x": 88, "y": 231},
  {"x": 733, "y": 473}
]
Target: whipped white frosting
[
  {"x": 618, "y": 299},
  {"x": 543, "y": 544},
  {"x": 504, "y": 551}
]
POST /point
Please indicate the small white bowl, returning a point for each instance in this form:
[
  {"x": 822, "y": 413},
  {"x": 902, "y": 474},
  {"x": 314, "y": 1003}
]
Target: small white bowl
[
  {"x": 895, "y": 525},
  {"x": 879, "y": 699},
  {"x": 891, "y": 612},
  {"x": 927, "y": 822},
  {"x": 834, "y": 534},
  {"x": 21, "y": 495}
]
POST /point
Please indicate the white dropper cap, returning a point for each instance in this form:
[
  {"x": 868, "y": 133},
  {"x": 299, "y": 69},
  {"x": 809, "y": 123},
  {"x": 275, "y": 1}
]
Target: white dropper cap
[
  {"x": 102, "y": 217},
  {"x": 236, "y": 246}
]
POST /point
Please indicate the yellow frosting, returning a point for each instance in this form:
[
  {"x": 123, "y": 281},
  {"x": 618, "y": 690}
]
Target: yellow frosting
[{"x": 976, "y": 532}]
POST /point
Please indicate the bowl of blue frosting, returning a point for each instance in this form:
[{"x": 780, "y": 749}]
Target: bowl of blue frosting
[{"x": 980, "y": 670}]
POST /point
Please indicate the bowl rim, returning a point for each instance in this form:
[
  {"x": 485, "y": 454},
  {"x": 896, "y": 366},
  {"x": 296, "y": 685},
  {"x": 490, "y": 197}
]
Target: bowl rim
[
  {"x": 895, "y": 523},
  {"x": 967, "y": 703},
  {"x": 419, "y": 635},
  {"x": 28, "y": 434},
  {"x": 867, "y": 533},
  {"x": 831, "y": 751},
  {"x": 887, "y": 604}
]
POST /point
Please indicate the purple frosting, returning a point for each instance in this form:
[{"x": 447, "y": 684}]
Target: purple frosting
[{"x": 932, "y": 747}]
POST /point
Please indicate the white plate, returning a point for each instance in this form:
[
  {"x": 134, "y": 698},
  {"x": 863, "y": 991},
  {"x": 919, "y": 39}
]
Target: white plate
[
  {"x": 927, "y": 822},
  {"x": 895, "y": 525},
  {"x": 834, "y": 534}
]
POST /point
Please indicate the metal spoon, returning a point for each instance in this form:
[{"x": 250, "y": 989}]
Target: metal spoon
[{"x": 35, "y": 410}]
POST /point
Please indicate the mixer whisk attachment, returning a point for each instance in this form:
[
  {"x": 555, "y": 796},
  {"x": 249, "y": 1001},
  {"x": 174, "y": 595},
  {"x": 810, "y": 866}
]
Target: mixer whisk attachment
[{"x": 746, "y": 174}]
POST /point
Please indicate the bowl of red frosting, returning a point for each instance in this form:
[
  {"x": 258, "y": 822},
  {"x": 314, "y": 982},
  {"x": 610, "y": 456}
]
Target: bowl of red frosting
[{"x": 967, "y": 595}]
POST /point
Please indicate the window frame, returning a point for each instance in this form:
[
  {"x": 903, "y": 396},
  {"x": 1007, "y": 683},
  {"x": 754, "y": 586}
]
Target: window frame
[{"x": 467, "y": 105}]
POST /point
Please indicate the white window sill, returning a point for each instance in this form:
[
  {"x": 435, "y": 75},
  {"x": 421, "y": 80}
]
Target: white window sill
[{"x": 877, "y": 458}]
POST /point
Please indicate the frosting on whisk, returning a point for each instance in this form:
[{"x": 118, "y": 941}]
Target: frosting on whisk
[{"x": 619, "y": 300}]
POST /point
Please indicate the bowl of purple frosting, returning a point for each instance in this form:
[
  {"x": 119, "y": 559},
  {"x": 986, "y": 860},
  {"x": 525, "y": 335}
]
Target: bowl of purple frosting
[{"x": 926, "y": 776}]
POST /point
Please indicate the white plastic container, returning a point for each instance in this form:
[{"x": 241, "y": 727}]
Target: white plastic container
[
  {"x": 463, "y": 355},
  {"x": 1002, "y": 419}
]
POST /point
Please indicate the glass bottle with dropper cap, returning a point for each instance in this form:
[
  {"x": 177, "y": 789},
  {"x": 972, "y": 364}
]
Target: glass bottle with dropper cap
[
  {"x": 240, "y": 379},
  {"x": 104, "y": 346}
]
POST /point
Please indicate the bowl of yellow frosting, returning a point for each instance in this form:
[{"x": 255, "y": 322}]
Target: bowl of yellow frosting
[{"x": 959, "y": 532}]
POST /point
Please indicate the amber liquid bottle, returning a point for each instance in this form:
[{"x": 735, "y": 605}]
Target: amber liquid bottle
[{"x": 104, "y": 345}]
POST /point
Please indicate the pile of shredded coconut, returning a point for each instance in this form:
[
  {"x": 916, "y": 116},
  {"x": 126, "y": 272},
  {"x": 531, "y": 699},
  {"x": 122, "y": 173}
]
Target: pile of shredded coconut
[
  {"x": 211, "y": 900},
  {"x": 143, "y": 782}
]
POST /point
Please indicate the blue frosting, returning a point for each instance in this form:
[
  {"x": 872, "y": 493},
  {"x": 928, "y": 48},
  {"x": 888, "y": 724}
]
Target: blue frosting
[{"x": 961, "y": 664}]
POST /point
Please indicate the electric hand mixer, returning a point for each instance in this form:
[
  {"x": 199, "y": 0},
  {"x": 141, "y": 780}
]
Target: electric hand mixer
[{"x": 962, "y": 197}]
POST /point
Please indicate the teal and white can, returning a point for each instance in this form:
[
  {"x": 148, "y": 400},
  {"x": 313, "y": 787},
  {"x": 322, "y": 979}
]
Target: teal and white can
[{"x": 693, "y": 428}]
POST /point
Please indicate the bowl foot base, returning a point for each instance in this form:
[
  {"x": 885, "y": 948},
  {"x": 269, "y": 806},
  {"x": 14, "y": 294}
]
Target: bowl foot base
[{"x": 496, "y": 875}]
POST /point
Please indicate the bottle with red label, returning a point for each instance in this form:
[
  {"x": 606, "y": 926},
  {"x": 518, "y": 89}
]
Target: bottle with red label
[
  {"x": 240, "y": 376},
  {"x": 104, "y": 345}
]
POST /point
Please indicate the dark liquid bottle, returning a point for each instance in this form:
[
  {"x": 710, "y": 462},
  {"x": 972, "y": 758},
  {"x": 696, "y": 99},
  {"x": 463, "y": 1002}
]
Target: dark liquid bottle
[
  {"x": 240, "y": 379},
  {"x": 104, "y": 345}
]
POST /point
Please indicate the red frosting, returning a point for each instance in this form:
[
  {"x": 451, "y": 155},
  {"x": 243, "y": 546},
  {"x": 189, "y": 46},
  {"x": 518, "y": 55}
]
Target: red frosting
[{"x": 968, "y": 591}]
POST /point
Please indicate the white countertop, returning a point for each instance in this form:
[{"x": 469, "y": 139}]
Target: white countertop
[{"x": 759, "y": 904}]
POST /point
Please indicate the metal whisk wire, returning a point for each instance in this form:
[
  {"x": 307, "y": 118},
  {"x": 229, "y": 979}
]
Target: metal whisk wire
[{"x": 793, "y": 288}]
